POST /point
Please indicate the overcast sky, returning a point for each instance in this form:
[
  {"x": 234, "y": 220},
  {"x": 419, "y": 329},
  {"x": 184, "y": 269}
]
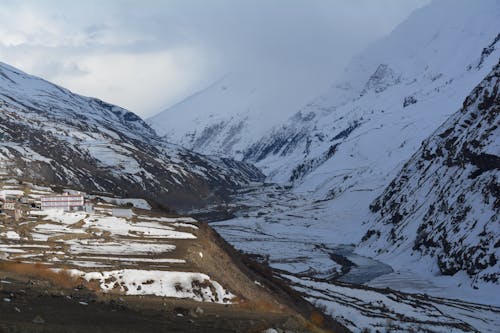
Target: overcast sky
[{"x": 147, "y": 55}]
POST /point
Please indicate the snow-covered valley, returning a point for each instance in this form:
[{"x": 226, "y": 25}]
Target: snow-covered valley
[
  {"x": 377, "y": 201},
  {"x": 306, "y": 245},
  {"x": 371, "y": 192}
]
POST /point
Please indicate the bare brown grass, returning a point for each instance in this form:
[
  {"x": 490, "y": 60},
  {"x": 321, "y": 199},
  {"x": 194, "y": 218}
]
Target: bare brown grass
[
  {"x": 40, "y": 271},
  {"x": 259, "y": 305}
]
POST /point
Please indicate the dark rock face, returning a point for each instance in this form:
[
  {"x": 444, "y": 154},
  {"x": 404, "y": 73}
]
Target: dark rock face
[
  {"x": 282, "y": 142},
  {"x": 308, "y": 165},
  {"x": 409, "y": 100},
  {"x": 53, "y": 136},
  {"x": 488, "y": 50},
  {"x": 381, "y": 79},
  {"x": 445, "y": 202}
]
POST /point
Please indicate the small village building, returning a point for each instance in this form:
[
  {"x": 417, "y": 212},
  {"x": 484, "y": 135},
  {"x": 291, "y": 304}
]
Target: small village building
[
  {"x": 9, "y": 205},
  {"x": 88, "y": 208},
  {"x": 12, "y": 209},
  {"x": 122, "y": 212},
  {"x": 66, "y": 202}
]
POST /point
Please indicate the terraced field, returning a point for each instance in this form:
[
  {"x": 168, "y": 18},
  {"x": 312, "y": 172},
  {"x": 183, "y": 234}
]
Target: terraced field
[{"x": 164, "y": 260}]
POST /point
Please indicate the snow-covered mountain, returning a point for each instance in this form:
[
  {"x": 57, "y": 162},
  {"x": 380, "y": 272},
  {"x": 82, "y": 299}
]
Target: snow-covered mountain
[
  {"x": 392, "y": 96},
  {"x": 445, "y": 202},
  {"x": 350, "y": 142},
  {"x": 346, "y": 146},
  {"x": 436, "y": 225},
  {"x": 50, "y": 134},
  {"x": 226, "y": 117}
]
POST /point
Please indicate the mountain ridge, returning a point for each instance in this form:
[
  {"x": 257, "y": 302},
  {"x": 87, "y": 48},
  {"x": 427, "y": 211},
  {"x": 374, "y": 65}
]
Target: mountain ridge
[{"x": 50, "y": 134}]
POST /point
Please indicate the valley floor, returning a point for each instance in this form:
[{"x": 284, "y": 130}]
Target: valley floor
[{"x": 305, "y": 245}]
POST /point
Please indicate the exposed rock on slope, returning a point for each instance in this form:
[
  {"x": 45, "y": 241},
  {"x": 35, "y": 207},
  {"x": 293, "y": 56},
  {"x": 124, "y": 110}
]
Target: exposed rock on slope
[
  {"x": 227, "y": 116},
  {"x": 445, "y": 202},
  {"x": 50, "y": 134}
]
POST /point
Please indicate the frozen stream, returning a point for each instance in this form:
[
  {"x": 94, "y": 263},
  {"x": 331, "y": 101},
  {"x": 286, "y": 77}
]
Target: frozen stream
[
  {"x": 365, "y": 269},
  {"x": 301, "y": 257},
  {"x": 291, "y": 235}
]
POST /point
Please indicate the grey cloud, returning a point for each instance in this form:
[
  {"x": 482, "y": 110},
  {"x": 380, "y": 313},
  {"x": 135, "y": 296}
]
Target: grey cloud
[{"x": 309, "y": 40}]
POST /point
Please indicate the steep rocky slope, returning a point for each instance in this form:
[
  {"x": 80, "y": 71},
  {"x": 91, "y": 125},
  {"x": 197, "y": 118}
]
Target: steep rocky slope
[
  {"x": 50, "y": 134},
  {"x": 445, "y": 202}
]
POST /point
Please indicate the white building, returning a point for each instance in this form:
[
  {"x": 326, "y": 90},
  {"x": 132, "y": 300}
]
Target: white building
[
  {"x": 67, "y": 202},
  {"x": 122, "y": 212},
  {"x": 9, "y": 206}
]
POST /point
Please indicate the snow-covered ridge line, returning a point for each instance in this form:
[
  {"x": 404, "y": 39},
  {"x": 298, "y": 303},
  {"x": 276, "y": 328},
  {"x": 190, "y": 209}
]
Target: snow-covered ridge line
[
  {"x": 229, "y": 115},
  {"x": 397, "y": 89},
  {"x": 52, "y": 135}
]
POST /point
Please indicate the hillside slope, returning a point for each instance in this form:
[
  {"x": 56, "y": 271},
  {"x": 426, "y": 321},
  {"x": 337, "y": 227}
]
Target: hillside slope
[
  {"x": 226, "y": 117},
  {"x": 50, "y": 134},
  {"x": 445, "y": 202}
]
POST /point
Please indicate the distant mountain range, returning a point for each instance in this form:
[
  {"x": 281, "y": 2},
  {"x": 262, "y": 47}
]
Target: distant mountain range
[{"x": 229, "y": 115}]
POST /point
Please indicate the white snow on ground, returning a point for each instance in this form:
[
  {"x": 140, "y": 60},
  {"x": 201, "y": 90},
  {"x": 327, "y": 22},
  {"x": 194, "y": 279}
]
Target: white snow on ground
[
  {"x": 138, "y": 203},
  {"x": 115, "y": 248},
  {"x": 121, "y": 226},
  {"x": 167, "y": 219},
  {"x": 10, "y": 235},
  {"x": 294, "y": 233},
  {"x": 102, "y": 223},
  {"x": 60, "y": 216},
  {"x": 196, "y": 286},
  {"x": 391, "y": 311},
  {"x": 5, "y": 193},
  {"x": 151, "y": 260}
]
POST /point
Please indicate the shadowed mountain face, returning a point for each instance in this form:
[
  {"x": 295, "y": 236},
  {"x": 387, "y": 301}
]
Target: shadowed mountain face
[
  {"x": 445, "y": 202},
  {"x": 52, "y": 135}
]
